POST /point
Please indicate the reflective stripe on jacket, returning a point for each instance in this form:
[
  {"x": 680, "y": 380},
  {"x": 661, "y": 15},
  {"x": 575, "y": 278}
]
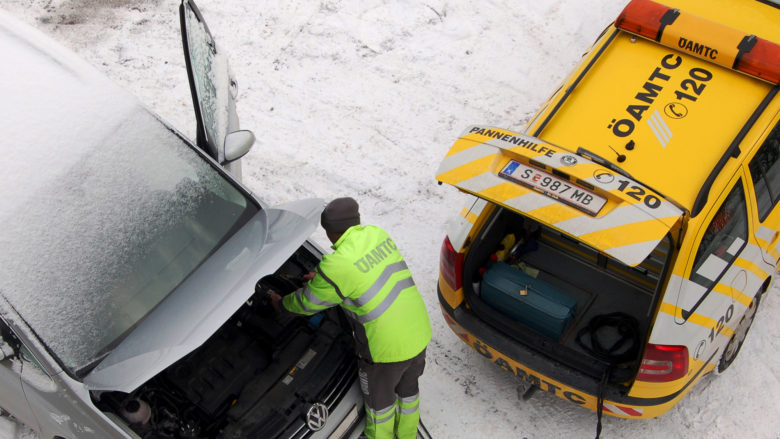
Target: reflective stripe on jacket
[{"x": 367, "y": 276}]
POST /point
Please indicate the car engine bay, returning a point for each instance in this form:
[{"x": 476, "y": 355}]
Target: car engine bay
[{"x": 255, "y": 377}]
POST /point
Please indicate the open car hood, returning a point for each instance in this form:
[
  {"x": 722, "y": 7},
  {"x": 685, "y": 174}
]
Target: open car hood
[
  {"x": 589, "y": 201},
  {"x": 207, "y": 299}
]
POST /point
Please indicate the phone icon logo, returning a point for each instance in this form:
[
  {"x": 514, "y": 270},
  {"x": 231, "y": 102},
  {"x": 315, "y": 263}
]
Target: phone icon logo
[{"x": 675, "y": 110}]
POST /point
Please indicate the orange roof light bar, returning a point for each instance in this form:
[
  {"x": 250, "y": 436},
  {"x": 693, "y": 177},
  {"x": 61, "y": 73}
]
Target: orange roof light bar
[
  {"x": 762, "y": 60},
  {"x": 702, "y": 38},
  {"x": 646, "y": 18}
]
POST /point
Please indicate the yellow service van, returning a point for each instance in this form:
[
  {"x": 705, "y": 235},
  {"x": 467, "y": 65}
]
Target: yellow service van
[{"x": 617, "y": 249}]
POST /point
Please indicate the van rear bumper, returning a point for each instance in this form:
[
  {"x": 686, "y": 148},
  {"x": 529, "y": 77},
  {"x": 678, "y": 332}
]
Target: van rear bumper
[{"x": 547, "y": 374}]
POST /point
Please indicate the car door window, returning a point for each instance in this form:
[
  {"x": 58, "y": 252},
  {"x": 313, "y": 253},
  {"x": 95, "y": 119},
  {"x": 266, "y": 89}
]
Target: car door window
[
  {"x": 765, "y": 171},
  {"x": 724, "y": 239},
  {"x": 209, "y": 77}
]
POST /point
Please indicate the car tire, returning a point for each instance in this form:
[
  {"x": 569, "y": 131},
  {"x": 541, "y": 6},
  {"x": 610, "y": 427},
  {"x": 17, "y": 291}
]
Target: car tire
[{"x": 735, "y": 343}]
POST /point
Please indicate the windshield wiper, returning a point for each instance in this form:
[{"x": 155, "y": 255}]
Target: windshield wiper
[
  {"x": 582, "y": 152},
  {"x": 603, "y": 162}
]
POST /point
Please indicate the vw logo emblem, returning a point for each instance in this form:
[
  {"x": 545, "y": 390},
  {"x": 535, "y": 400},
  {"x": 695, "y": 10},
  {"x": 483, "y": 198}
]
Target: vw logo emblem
[{"x": 317, "y": 416}]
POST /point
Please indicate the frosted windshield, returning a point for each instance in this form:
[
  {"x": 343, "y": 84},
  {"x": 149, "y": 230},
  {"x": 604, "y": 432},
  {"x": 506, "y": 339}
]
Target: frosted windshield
[{"x": 111, "y": 233}]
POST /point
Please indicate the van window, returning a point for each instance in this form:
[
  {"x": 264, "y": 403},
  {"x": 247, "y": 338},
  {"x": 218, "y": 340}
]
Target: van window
[
  {"x": 765, "y": 170},
  {"x": 724, "y": 239}
]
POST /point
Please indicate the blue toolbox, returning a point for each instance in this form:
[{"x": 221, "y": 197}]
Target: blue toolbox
[{"x": 528, "y": 300}]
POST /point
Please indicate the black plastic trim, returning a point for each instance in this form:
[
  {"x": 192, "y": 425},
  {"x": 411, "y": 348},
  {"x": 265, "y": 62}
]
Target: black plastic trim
[
  {"x": 745, "y": 46},
  {"x": 769, "y": 3},
  {"x": 668, "y": 18}
]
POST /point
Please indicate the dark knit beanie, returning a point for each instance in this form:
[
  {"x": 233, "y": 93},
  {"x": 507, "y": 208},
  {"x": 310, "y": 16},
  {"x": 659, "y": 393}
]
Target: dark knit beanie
[{"x": 339, "y": 215}]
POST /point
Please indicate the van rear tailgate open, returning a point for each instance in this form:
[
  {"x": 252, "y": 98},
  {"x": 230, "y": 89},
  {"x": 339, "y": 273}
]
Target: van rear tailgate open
[{"x": 603, "y": 208}]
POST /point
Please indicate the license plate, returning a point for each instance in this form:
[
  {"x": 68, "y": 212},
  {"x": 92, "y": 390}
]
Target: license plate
[{"x": 555, "y": 187}]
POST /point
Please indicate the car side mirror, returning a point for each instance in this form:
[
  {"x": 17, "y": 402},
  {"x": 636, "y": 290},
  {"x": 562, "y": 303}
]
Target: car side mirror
[{"x": 237, "y": 144}]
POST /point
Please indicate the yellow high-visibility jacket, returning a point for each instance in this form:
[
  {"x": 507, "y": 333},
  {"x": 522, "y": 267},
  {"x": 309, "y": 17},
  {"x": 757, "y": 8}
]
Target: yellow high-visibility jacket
[{"x": 367, "y": 276}]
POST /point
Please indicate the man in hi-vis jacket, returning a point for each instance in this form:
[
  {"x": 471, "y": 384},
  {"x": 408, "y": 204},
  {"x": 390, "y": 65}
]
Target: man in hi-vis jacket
[{"x": 367, "y": 276}]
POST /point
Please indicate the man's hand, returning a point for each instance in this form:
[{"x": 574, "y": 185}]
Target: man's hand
[
  {"x": 276, "y": 300},
  {"x": 309, "y": 275}
]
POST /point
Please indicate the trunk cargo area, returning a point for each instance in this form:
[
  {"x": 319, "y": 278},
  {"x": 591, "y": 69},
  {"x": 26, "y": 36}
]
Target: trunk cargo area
[
  {"x": 561, "y": 297},
  {"x": 527, "y": 299}
]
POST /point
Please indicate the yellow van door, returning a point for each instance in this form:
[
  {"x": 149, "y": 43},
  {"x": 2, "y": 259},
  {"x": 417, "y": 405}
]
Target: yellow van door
[
  {"x": 725, "y": 272},
  {"x": 715, "y": 269}
]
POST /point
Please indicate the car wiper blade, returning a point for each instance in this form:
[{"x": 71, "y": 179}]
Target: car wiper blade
[
  {"x": 604, "y": 162},
  {"x": 582, "y": 152}
]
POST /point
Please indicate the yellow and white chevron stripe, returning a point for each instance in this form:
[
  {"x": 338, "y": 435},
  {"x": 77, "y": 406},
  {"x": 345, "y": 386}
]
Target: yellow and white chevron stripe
[{"x": 628, "y": 225}]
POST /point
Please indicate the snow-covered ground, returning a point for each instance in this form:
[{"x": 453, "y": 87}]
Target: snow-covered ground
[{"x": 363, "y": 98}]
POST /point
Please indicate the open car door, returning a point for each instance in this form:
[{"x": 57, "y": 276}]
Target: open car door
[{"x": 213, "y": 92}]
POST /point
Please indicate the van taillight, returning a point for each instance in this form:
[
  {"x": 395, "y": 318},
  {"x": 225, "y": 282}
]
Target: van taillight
[
  {"x": 663, "y": 363},
  {"x": 451, "y": 265}
]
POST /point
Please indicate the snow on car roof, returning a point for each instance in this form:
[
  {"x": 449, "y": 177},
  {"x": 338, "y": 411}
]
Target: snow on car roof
[{"x": 54, "y": 106}]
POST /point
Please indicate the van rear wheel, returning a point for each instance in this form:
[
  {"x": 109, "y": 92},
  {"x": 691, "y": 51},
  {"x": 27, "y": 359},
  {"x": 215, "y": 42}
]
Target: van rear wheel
[{"x": 734, "y": 345}]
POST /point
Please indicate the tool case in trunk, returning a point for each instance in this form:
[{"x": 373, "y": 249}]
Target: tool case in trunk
[{"x": 528, "y": 300}]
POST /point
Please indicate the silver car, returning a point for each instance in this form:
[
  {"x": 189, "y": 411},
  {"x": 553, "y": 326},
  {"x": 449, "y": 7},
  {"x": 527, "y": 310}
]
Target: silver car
[{"x": 133, "y": 265}]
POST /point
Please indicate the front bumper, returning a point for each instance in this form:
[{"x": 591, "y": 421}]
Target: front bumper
[{"x": 351, "y": 418}]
